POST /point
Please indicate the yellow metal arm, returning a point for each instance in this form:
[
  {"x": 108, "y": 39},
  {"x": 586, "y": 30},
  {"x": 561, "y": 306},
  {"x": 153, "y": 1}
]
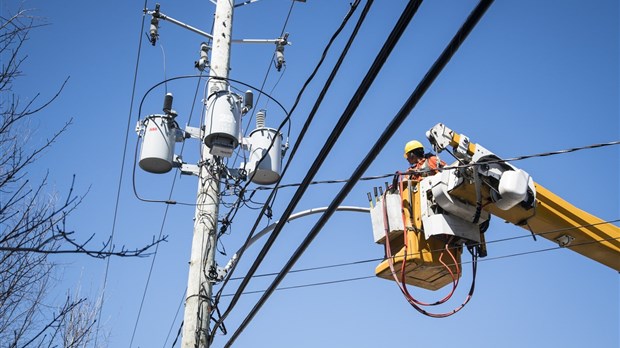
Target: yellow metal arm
[{"x": 562, "y": 222}]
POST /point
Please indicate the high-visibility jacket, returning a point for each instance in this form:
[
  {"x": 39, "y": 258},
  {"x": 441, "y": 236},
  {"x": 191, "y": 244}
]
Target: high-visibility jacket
[{"x": 426, "y": 166}]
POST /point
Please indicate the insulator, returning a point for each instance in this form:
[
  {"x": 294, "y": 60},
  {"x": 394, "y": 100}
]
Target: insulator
[
  {"x": 168, "y": 103},
  {"x": 203, "y": 62},
  {"x": 153, "y": 30},
  {"x": 248, "y": 99},
  {"x": 260, "y": 119}
]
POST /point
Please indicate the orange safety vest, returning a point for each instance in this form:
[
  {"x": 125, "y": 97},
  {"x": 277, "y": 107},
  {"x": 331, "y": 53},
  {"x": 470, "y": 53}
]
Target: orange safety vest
[{"x": 427, "y": 166}]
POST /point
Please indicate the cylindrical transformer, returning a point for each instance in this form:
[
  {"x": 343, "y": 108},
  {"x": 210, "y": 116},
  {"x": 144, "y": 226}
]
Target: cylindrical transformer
[
  {"x": 268, "y": 170},
  {"x": 158, "y": 144},
  {"x": 222, "y": 121}
]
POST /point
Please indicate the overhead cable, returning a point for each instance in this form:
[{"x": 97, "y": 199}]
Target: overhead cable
[
  {"x": 417, "y": 94},
  {"x": 307, "y": 285},
  {"x": 309, "y": 119},
  {"x": 161, "y": 230},
  {"x": 402, "y": 23},
  {"x": 295, "y": 147},
  {"x": 338, "y": 281},
  {"x": 419, "y": 253},
  {"x": 120, "y": 179},
  {"x": 543, "y": 154},
  {"x": 512, "y": 159},
  {"x": 269, "y": 70}
]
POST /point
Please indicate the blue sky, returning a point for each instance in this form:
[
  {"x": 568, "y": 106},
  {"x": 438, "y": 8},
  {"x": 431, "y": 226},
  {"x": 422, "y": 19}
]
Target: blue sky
[{"x": 534, "y": 76}]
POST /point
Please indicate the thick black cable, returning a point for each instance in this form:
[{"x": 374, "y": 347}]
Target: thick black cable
[
  {"x": 316, "y": 164},
  {"x": 308, "y": 120},
  {"x": 120, "y": 180},
  {"x": 393, "y": 126},
  {"x": 393, "y": 38},
  {"x": 300, "y": 137}
]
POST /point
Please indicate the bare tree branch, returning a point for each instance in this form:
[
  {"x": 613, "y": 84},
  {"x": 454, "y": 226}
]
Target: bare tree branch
[{"x": 33, "y": 224}]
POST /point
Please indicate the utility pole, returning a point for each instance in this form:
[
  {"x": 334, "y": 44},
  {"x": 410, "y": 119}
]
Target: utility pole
[{"x": 202, "y": 260}]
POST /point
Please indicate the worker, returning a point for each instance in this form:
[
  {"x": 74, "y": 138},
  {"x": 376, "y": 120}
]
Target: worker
[{"x": 424, "y": 164}]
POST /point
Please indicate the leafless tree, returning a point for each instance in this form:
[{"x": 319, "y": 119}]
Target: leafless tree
[{"x": 33, "y": 225}]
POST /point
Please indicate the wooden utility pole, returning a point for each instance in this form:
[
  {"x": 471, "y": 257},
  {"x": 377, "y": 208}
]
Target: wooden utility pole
[{"x": 202, "y": 264}]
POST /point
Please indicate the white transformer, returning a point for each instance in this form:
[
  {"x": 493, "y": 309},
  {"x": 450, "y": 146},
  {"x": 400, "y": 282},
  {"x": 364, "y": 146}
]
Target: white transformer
[
  {"x": 222, "y": 120},
  {"x": 160, "y": 132},
  {"x": 259, "y": 144}
]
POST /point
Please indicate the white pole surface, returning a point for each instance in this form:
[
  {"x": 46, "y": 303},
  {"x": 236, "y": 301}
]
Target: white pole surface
[{"x": 202, "y": 261}]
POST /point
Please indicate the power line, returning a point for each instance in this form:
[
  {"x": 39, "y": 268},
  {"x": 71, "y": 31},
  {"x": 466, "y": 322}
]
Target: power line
[
  {"x": 537, "y": 251},
  {"x": 175, "y": 319},
  {"x": 307, "y": 285},
  {"x": 353, "y": 263},
  {"x": 543, "y": 154},
  {"x": 417, "y": 94},
  {"x": 120, "y": 180},
  {"x": 512, "y": 159},
  {"x": 269, "y": 68},
  {"x": 317, "y": 268},
  {"x": 310, "y": 116},
  {"x": 161, "y": 230},
  {"x": 394, "y": 36},
  {"x": 295, "y": 147}
]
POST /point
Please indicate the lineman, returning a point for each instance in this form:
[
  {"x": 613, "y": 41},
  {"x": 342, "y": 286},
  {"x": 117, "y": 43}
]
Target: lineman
[{"x": 423, "y": 164}]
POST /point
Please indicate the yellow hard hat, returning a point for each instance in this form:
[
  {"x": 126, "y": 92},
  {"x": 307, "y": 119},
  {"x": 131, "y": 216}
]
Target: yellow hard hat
[{"x": 412, "y": 145}]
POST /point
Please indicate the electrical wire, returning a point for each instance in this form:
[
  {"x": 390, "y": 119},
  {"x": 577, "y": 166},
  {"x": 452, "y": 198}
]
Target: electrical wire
[
  {"x": 306, "y": 285},
  {"x": 269, "y": 66},
  {"x": 507, "y": 160},
  {"x": 265, "y": 207},
  {"x": 161, "y": 230},
  {"x": 265, "y": 81},
  {"x": 175, "y": 319},
  {"x": 417, "y": 94},
  {"x": 414, "y": 254},
  {"x": 317, "y": 268},
  {"x": 336, "y": 181},
  {"x": 487, "y": 259},
  {"x": 120, "y": 180},
  {"x": 542, "y": 154},
  {"x": 352, "y": 106},
  {"x": 316, "y": 164}
]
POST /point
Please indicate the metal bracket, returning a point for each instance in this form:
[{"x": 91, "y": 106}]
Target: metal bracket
[
  {"x": 186, "y": 169},
  {"x": 192, "y": 132},
  {"x": 189, "y": 169}
]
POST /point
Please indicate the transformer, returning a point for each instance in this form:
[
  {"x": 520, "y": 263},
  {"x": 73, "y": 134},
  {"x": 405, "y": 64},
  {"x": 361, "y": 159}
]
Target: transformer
[
  {"x": 160, "y": 132},
  {"x": 264, "y": 142},
  {"x": 222, "y": 120}
]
